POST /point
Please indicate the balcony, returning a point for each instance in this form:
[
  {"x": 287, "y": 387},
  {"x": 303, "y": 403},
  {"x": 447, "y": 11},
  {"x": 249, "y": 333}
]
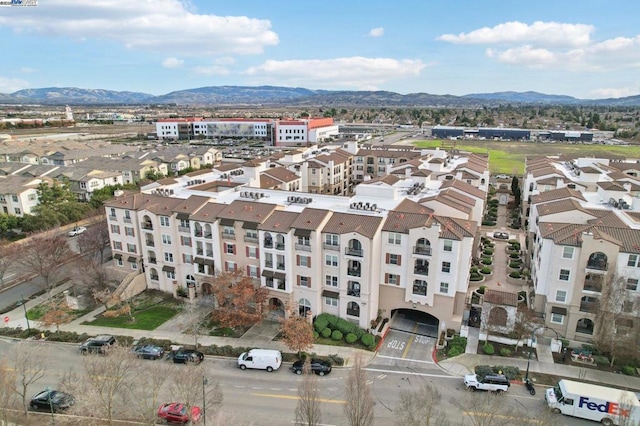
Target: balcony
[
  {"x": 248, "y": 239},
  {"x": 280, "y": 266},
  {"x": 590, "y": 307},
  {"x": 209, "y": 235},
  {"x": 421, "y": 270},
  {"x": 268, "y": 264},
  {"x": 597, "y": 265},
  {"x": 150, "y": 243},
  {"x": 592, "y": 285},
  {"x": 303, "y": 247},
  {"x": 279, "y": 246},
  {"x": 226, "y": 236},
  {"x": 353, "y": 312},
  {"x": 355, "y": 292},
  {"x": 330, "y": 246},
  {"x": 184, "y": 229},
  {"x": 422, "y": 250},
  {"x": 200, "y": 252},
  {"x": 113, "y": 217},
  {"x": 147, "y": 226},
  {"x": 128, "y": 220},
  {"x": 268, "y": 244},
  {"x": 350, "y": 251},
  {"x": 153, "y": 260},
  {"x": 198, "y": 234},
  {"x": 354, "y": 272}
]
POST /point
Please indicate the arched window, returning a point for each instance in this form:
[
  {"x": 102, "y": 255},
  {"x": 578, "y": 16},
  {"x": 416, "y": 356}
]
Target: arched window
[
  {"x": 597, "y": 260},
  {"x": 354, "y": 248},
  {"x": 353, "y": 309},
  {"x": 207, "y": 231},
  {"x": 197, "y": 229},
  {"x": 268, "y": 240},
  {"x": 304, "y": 306},
  {"x": 191, "y": 281},
  {"x": 423, "y": 246},
  {"x": 585, "y": 326},
  {"x": 153, "y": 274},
  {"x": 280, "y": 242}
]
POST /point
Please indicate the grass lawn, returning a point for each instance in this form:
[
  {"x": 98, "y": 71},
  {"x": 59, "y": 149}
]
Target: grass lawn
[
  {"x": 146, "y": 319},
  {"x": 508, "y": 157}
]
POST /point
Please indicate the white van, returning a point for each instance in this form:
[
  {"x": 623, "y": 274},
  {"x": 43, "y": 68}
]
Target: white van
[{"x": 262, "y": 359}]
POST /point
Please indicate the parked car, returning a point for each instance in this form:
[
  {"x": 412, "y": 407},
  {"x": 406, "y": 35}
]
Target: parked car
[
  {"x": 149, "y": 351},
  {"x": 99, "y": 344},
  {"x": 318, "y": 366},
  {"x": 501, "y": 235},
  {"x": 177, "y": 412},
  {"x": 184, "y": 356},
  {"x": 51, "y": 400},
  {"x": 76, "y": 231},
  {"x": 492, "y": 382}
]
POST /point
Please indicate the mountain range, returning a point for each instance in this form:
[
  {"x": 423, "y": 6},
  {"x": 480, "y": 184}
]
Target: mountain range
[{"x": 294, "y": 96}]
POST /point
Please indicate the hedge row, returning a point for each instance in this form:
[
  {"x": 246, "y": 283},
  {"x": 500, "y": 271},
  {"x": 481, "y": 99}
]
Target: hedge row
[{"x": 328, "y": 325}]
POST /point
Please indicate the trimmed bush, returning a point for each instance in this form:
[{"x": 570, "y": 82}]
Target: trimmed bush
[
  {"x": 326, "y": 332},
  {"x": 485, "y": 270},
  {"x": 368, "y": 340},
  {"x": 333, "y": 320},
  {"x": 515, "y": 274},
  {"x": 315, "y": 335},
  {"x": 505, "y": 352},
  {"x": 335, "y": 359},
  {"x": 483, "y": 370},
  {"x": 481, "y": 289},
  {"x": 487, "y": 251},
  {"x": 351, "y": 338},
  {"x": 345, "y": 326},
  {"x": 515, "y": 264},
  {"x": 320, "y": 323},
  {"x": 629, "y": 370},
  {"x": 486, "y": 261},
  {"x": 488, "y": 223},
  {"x": 453, "y": 352},
  {"x": 359, "y": 332},
  {"x": 336, "y": 335},
  {"x": 488, "y": 349},
  {"x": 601, "y": 360}
]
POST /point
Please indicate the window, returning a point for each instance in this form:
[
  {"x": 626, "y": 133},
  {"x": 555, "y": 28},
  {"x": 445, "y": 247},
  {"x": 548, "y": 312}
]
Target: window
[
  {"x": 32, "y": 197},
  {"x": 185, "y": 241},
  {"x": 128, "y": 231},
  {"x": 127, "y": 214},
  {"x": 557, "y": 318},
  {"x": 115, "y": 229},
  {"x": 168, "y": 257},
  {"x": 131, "y": 248},
  {"x": 444, "y": 288},
  {"x": 171, "y": 275},
  {"x": 304, "y": 241},
  {"x": 252, "y": 252},
  {"x": 567, "y": 252},
  {"x": 564, "y": 275},
  {"x": 112, "y": 212},
  {"x": 392, "y": 279},
  {"x": 304, "y": 281},
  {"x": 304, "y": 261},
  {"x": 228, "y": 231},
  {"x": 117, "y": 245},
  {"x": 229, "y": 248},
  {"x": 561, "y": 296},
  {"x": 395, "y": 238},
  {"x": 634, "y": 260},
  {"x": 331, "y": 280},
  {"x": 184, "y": 223},
  {"x": 632, "y": 284},
  {"x": 331, "y": 260},
  {"x": 251, "y": 234},
  {"x": 252, "y": 271},
  {"x": 14, "y": 198},
  {"x": 187, "y": 258},
  {"x": 331, "y": 240},
  {"x": 331, "y": 301},
  {"x": 134, "y": 265},
  {"x": 393, "y": 259},
  {"x": 119, "y": 262},
  {"x": 420, "y": 288},
  {"x": 164, "y": 220},
  {"x": 448, "y": 245},
  {"x": 446, "y": 266},
  {"x": 17, "y": 210},
  {"x": 166, "y": 239},
  {"x": 229, "y": 266}
]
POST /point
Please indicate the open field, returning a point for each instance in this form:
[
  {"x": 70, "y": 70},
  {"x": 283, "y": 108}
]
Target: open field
[{"x": 508, "y": 157}]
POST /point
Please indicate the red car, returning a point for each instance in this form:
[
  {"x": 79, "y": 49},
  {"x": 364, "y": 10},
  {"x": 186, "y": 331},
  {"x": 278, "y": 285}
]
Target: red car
[{"x": 177, "y": 412}]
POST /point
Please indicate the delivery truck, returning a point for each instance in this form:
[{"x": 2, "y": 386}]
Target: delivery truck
[
  {"x": 609, "y": 406},
  {"x": 264, "y": 359}
]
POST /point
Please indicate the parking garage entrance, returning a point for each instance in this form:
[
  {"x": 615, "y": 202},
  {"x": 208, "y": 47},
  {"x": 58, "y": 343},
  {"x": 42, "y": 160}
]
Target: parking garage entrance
[{"x": 416, "y": 322}]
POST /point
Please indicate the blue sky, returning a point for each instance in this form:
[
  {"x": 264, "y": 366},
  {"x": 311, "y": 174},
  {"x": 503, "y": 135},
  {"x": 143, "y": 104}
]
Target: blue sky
[{"x": 586, "y": 49}]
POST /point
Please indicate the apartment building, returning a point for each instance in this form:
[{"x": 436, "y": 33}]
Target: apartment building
[
  {"x": 19, "y": 194},
  {"x": 351, "y": 256},
  {"x": 328, "y": 173},
  {"x": 584, "y": 235}
]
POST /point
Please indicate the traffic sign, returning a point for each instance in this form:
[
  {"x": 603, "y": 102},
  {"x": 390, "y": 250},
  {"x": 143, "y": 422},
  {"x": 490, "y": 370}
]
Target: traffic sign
[{"x": 6, "y": 319}]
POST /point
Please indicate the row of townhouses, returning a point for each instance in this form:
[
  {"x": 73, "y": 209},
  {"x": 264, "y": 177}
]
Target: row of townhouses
[
  {"x": 583, "y": 235},
  {"x": 402, "y": 241}
]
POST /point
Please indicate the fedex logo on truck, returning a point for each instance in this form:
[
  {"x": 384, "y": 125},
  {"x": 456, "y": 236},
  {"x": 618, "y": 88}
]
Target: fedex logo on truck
[{"x": 608, "y": 407}]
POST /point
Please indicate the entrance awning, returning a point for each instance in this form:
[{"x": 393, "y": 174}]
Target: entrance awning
[
  {"x": 268, "y": 274},
  {"x": 168, "y": 269},
  {"x": 279, "y": 275},
  {"x": 117, "y": 256},
  {"x": 558, "y": 310},
  {"x": 331, "y": 294},
  {"x": 199, "y": 261},
  {"x": 132, "y": 259}
]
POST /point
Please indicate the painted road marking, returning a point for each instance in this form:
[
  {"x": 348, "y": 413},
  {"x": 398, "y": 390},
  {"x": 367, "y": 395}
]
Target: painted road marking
[
  {"x": 271, "y": 395},
  {"x": 405, "y": 359},
  {"x": 406, "y": 350},
  {"x": 410, "y": 373}
]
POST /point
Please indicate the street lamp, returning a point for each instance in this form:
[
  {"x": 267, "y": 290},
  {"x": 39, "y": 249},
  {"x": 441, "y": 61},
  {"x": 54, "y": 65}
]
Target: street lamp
[
  {"x": 533, "y": 338},
  {"x": 53, "y": 419},
  {"x": 204, "y": 401},
  {"x": 24, "y": 306}
]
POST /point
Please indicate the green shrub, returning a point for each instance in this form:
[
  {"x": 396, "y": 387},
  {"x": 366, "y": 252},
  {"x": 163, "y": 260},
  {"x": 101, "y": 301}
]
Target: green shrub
[
  {"x": 601, "y": 360},
  {"x": 351, "y": 338},
  {"x": 475, "y": 277},
  {"x": 345, "y": 326},
  {"x": 454, "y": 352},
  {"x": 488, "y": 223},
  {"x": 335, "y": 359},
  {"x": 482, "y": 289},
  {"x": 333, "y": 320},
  {"x": 488, "y": 349},
  {"x": 359, "y": 332},
  {"x": 510, "y": 372},
  {"x": 368, "y": 340},
  {"x": 483, "y": 370},
  {"x": 515, "y": 274},
  {"x": 485, "y": 270},
  {"x": 315, "y": 335},
  {"x": 486, "y": 261},
  {"x": 505, "y": 352},
  {"x": 487, "y": 251},
  {"x": 515, "y": 263},
  {"x": 629, "y": 370},
  {"x": 320, "y": 323},
  {"x": 326, "y": 332},
  {"x": 336, "y": 335}
]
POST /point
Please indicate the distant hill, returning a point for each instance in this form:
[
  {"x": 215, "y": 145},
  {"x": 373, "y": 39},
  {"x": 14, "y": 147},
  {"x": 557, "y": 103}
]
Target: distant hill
[{"x": 295, "y": 96}]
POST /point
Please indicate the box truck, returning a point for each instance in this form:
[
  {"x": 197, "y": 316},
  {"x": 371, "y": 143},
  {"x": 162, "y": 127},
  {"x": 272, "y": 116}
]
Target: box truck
[
  {"x": 263, "y": 359},
  {"x": 610, "y": 406}
]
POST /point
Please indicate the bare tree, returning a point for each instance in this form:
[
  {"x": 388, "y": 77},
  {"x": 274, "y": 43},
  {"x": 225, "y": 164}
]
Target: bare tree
[
  {"x": 95, "y": 239},
  {"x": 8, "y": 398},
  {"x": 91, "y": 278},
  {"x": 29, "y": 364},
  {"x": 615, "y": 311},
  {"x": 151, "y": 378},
  {"x": 421, "y": 408},
  {"x": 109, "y": 379},
  {"x": 359, "y": 406},
  {"x": 8, "y": 257},
  {"x": 194, "y": 387},
  {"x": 297, "y": 332},
  {"x": 45, "y": 255},
  {"x": 198, "y": 315},
  {"x": 308, "y": 408}
]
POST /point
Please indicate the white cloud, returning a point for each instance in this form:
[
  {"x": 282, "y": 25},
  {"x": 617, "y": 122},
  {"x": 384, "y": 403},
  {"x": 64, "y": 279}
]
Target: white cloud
[
  {"x": 157, "y": 26},
  {"x": 172, "y": 63},
  {"x": 539, "y": 34},
  {"x": 10, "y": 85},
  {"x": 376, "y": 32},
  {"x": 353, "y": 72},
  {"x": 616, "y": 92},
  {"x": 524, "y": 55}
]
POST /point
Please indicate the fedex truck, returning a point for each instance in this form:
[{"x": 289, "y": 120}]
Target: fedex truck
[{"x": 608, "y": 406}]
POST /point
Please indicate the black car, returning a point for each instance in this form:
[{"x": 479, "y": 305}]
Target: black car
[
  {"x": 184, "y": 356},
  {"x": 51, "y": 400},
  {"x": 318, "y": 366},
  {"x": 98, "y": 344},
  {"x": 148, "y": 351}
]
